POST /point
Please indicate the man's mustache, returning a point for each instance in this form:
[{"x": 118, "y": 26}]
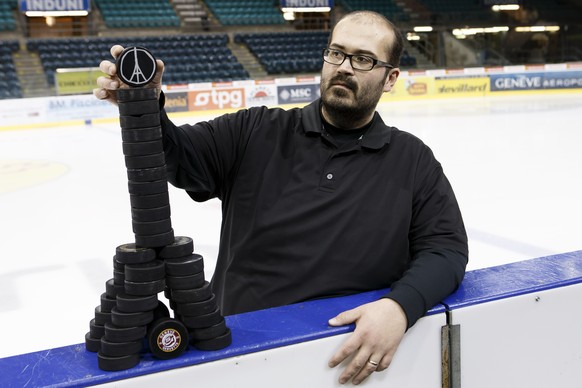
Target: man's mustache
[{"x": 344, "y": 81}]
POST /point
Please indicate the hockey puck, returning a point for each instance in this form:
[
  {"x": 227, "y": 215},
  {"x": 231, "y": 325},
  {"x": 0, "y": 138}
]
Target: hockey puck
[
  {"x": 206, "y": 333},
  {"x": 181, "y": 246},
  {"x": 149, "y": 201},
  {"x": 118, "y": 349},
  {"x": 141, "y": 134},
  {"x": 143, "y": 148},
  {"x": 217, "y": 343},
  {"x": 147, "y": 188},
  {"x": 136, "y": 94},
  {"x": 118, "y": 277},
  {"x": 155, "y": 240},
  {"x": 131, "y": 108},
  {"x": 92, "y": 344},
  {"x": 107, "y": 303},
  {"x": 153, "y": 214},
  {"x": 145, "y": 288},
  {"x": 117, "y": 265},
  {"x": 145, "y": 161},
  {"x": 133, "y": 304},
  {"x": 122, "y": 319},
  {"x": 115, "y": 333},
  {"x": 101, "y": 318},
  {"x": 186, "y": 265},
  {"x": 146, "y": 174},
  {"x": 167, "y": 338},
  {"x": 200, "y": 321},
  {"x": 143, "y": 121},
  {"x": 152, "y": 227},
  {"x": 132, "y": 254},
  {"x": 146, "y": 272},
  {"x": 96, "y": 331},
  {"x": 197, "y": 308},
  {"x": 111, "y": 364},
  {"x": 185, "y": 282},
  {"x": 192, "y": 295},
  {"x": 136, "y": 66},
  {"x": 161, "y": 311},
  {"x": 112, "y": 289}
]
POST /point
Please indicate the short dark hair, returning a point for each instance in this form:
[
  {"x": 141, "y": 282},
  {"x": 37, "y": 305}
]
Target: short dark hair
[{"x": 395, "y": 50}]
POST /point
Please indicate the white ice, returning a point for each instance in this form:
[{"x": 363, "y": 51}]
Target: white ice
[{"x": 514, "y": 162}]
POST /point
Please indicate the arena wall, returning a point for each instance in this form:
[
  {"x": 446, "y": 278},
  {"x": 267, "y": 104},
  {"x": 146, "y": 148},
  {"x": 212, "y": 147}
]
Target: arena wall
[{"x": 297, "y": 91}]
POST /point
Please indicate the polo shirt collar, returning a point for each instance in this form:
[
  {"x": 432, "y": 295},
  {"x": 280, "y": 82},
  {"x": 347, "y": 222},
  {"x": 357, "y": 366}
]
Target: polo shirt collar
[{"x": 375, "y": 138}]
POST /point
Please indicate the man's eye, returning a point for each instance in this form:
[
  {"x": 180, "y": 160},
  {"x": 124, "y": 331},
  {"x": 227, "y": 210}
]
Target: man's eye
[
  {"x": 362, "y": 59},
  {"x": 336, "y": 54}
]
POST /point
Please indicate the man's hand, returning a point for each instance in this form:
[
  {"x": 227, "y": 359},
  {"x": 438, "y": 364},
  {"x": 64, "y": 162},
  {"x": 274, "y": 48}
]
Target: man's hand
[
  {"x": 107, "y": 86},
  {"x": 380, "y": 326}
]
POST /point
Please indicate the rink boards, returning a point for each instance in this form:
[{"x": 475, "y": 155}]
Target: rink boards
[{"x": 514, "y": 325}]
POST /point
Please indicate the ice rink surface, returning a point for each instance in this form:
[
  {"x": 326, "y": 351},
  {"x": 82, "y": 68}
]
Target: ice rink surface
[{"x": 514, "y": 162}]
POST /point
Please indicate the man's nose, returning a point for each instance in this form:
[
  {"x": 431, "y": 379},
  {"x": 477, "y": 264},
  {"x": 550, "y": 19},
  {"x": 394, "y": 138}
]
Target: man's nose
[{"x": 346, "y": 66}]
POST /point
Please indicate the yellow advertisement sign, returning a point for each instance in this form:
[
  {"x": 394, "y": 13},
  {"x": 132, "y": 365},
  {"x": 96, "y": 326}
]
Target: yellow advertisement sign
[
  {"x": 407, "y": 88},
  {"x": 76, "y": 81},
  {"x": 461, "y": 87}
]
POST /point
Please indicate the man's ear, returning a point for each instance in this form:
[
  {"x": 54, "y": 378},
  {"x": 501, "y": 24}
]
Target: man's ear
[{"x": 391, "y": 79}]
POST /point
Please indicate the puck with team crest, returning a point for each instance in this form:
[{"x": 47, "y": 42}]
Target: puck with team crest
[
  {"x": 136, "y": 66},
  {"x": 167, "y": 338}
]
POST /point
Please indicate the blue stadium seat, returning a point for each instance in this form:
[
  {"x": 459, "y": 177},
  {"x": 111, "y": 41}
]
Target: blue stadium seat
[{"x": 9, "y": 84}]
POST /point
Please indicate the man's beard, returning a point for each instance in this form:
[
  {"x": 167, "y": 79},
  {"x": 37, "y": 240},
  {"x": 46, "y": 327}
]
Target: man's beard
[{"x": 348, "y": 111}]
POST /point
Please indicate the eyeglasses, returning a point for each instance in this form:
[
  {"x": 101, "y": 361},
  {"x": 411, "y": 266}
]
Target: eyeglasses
[{"x": 358, "y": 61}]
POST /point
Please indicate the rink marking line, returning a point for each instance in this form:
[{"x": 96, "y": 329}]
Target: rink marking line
[{"x": 22, "y": 174}]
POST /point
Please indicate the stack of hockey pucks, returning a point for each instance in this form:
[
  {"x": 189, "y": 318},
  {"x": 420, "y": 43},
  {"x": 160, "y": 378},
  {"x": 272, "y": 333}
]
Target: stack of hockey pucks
[
  {"x": 130, "y": 311},
  {"x": 191, "y": 297}
]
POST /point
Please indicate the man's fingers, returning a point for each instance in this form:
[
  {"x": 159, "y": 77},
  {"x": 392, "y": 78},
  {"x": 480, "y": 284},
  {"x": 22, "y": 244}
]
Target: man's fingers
[
  {"x": 384, "y": 363},
  {"x": 347, "y": 349},
  {"x": 344, "y": 318},
  {"x": 101, "y": 94},
  {"x": 107, "y": 83},
  {"x": 359, "y": 368},
  {"x": 108, "y": 68},
  {"x": 116, "y": 50}
]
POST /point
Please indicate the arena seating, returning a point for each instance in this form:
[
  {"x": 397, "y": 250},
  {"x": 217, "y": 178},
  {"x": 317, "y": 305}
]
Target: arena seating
[
  {"x": 188, "y": 58},
  {"x": 7, "y": 21},
  {"x": 140, "y": 13},
  {"x": 9, "y": 84},
  {"x": 247, "y": 12},
  {"x": 286, "y": 52}
]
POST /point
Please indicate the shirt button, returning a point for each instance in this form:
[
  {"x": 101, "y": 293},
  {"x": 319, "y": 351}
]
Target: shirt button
[{"x": 329, "y": 176}]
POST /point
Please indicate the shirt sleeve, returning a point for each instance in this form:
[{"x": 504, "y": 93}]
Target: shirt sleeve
[
  {"x": 201, "y": 157},
  {"x": 438, "y": 243}
]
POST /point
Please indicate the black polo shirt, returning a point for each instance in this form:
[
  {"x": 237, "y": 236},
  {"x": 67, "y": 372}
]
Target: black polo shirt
[{"x": 304, "y": 219}]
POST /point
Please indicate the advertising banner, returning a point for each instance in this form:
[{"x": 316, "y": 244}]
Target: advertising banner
[
  {"x": 55, "y": 5},
  {"x": 217, "y": 98},
  {"x": 76, "y": 81},
  {"x": 261, "y": 95},
  {"x": 536, "y": 81},
  {"x": 461, "y": 86},
  {"x": 294, "y": 94},
  {"x": 81, "y": 107},
  {"x": 176, "y": 102},
  {"x": 407, "y": 88},
  {"x": 306, "y": 3}
]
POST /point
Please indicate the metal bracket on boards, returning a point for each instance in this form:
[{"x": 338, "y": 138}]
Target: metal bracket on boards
[{"x": 451, "y": 354}]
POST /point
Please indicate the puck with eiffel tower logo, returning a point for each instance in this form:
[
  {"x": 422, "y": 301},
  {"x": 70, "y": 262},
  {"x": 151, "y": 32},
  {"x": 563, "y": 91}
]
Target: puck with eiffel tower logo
[{"x": 136, "y": 66}]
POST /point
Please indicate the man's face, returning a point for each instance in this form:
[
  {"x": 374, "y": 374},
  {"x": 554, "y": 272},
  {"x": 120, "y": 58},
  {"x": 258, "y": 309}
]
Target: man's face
[{"x": 353, "y": 93}]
